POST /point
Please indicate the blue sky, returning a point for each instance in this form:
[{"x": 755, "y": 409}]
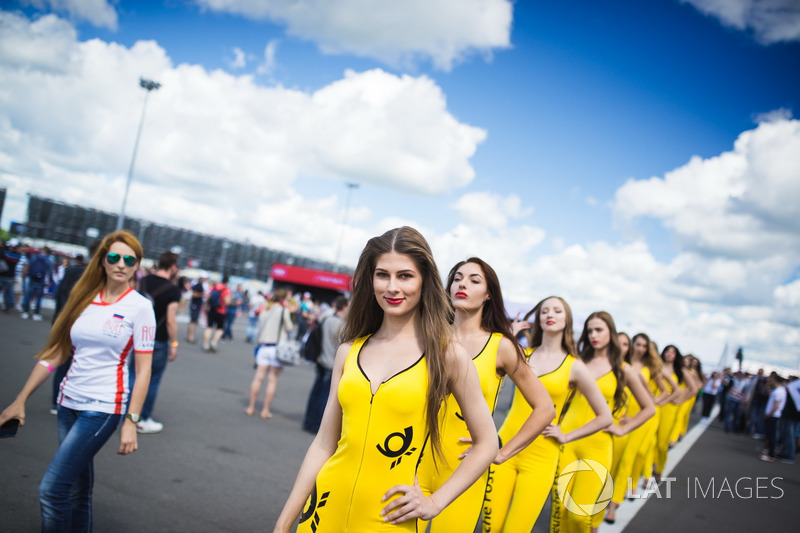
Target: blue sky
[{"x": 638, "y": 157}]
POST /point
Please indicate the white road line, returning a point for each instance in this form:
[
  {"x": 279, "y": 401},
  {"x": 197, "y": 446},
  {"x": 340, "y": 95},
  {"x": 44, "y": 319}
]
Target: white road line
[{"x": 629, "y": 508}]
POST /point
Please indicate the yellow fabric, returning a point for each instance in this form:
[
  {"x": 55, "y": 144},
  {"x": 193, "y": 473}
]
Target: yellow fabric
[
  {"x": 627, "y": 447},
  {"x": 669, "y": 416},
  {"x": 517, "y": 489},
  {"x": 585, "y": 487},
  {"x": 463, "y": 513},
  {"x": 382, "y": 438}
]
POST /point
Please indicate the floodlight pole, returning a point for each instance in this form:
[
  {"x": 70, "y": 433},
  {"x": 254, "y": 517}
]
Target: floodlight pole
[
  {"x": 350, "y": 187},
  {"x": 148, "y": 85}
]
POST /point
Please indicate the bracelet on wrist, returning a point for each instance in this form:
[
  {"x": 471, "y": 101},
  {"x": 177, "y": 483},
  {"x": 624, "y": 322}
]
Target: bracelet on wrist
[{"x": 175, "y": 344}]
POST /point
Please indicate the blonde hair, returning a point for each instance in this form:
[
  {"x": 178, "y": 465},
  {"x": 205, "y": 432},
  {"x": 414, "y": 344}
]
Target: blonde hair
[
  {"x": 86, "y": 289},
  {"x": 535, "y": 334}
]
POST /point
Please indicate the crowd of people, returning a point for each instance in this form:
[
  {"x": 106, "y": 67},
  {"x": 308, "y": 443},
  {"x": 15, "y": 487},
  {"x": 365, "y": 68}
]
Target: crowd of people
[
  {"x": 408, "y": 373},
  {"x": 758, "y": 405}
]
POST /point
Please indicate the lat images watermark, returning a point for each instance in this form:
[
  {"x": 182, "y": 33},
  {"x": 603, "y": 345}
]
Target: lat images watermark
[
  {"x": 743, "y": 488},
  {"x": 576, "y": 468}
]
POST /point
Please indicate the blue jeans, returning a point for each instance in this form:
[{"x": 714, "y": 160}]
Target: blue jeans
[
  {"x": 65, "y": 493},
  {"x": 757, "y": 412},
  {"x": 230, "y": 316},
  {"x": 733, "y": 410},
  {"x": 7, "y": 288},
  {"x": 35, "y": 289},
  {"x": 317, "y": 399},
  {"x": 788, "y": 429},
  {"x": 160, "y": 354},
  {"x": 252, "y": 328}
]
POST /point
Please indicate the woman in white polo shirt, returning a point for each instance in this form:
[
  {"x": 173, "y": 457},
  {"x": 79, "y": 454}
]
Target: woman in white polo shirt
[{"x": 105, "y": 322}]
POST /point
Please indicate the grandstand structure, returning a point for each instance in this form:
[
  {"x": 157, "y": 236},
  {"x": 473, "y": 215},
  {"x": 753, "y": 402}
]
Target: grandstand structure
[{"x": 57, "y": 221}]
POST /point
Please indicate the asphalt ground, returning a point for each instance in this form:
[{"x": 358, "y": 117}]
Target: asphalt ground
[{"x": 213, "y": 469}]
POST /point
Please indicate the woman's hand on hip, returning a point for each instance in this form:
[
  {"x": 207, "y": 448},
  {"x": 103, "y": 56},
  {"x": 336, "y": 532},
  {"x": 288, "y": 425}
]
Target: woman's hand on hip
[{"x": 411, "y": 505}]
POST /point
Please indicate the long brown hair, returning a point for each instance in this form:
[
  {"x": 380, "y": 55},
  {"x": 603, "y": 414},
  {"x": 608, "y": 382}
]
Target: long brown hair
[
  {"x": 493, "y": 315},
  {"x": 650, "y": 359},
  {"x": 536, "y": 333},
  {"x": 614, "y": 354},
  {"x": 365, "y": 316},
  {"x": 86, "y": 289}
]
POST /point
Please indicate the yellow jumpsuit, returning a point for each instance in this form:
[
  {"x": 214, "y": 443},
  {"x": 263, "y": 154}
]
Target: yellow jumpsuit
[
  {"x": 383, "y": 435},
  {"x": 684, "y": 414},
  {"x": 643, "y": 465},
  {"x": 626, "y": 448},
  {"x": 517, "y": 489},
  {"x": 463, "y": 513},
  {"x": 588, "y": 491},
  {"x": 669, "y": 417}
]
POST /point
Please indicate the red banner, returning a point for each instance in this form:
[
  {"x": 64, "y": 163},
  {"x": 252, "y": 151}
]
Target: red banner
[{"x": 311, "y": 277}]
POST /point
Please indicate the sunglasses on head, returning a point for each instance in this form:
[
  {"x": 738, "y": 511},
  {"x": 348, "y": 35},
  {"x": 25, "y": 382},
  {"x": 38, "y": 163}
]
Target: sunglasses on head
[{"x": 113, "y": 259}]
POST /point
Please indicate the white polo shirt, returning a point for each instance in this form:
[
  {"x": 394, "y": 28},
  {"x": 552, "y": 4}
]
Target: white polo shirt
[{"x": 104, "y": 338}]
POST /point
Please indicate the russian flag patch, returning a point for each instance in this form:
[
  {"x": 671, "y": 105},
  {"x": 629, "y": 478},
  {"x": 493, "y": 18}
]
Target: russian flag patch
[{"x": 118, "y": 316}]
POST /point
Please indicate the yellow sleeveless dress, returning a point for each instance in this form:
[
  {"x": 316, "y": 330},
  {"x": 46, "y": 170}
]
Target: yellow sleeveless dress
[
  {"x": 383, "y": 435},
  {"x": 463, "y": 513},
  {"x": 517, "y": 489},
  {"x": 669, "y": 417},
  {"x": 587, "y": 492},
  {"x": 625, "y": 453}
]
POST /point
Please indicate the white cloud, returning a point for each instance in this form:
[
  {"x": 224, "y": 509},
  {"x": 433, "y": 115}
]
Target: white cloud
[
  {"x": 268, "y": 64},
  {"x": 239, "y": 59},
  {"x": 740, "y": 204},
  {"x": 97, "y": 12},
  {"x": 210, "y": 138},
  {"x": 490, "y": 209},
  {"x": 398, "y": 33},
  {"x": 771, "y": 21}
]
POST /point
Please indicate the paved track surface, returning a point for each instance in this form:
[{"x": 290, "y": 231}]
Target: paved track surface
[{"x": 213, "y": 469}]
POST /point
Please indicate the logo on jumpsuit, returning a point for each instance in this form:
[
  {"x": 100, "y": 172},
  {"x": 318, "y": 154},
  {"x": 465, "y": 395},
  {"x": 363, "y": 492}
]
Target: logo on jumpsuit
[
  {"x": 405, "y": 443},
  {"x": 585, "y": 508},
  {"x": 313, "y": 506}
]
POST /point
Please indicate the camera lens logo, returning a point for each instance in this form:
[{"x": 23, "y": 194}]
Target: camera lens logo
[{"x": 603, "y": 477}]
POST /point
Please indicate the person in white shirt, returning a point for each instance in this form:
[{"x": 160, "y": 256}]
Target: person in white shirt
[
  {"x": 775, "y": 405},
  {"x": 105, "y": 322}
]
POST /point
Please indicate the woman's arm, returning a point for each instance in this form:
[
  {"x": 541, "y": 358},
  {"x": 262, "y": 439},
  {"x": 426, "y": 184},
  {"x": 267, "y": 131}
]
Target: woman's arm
[
  {"x": 127, "y": 434},
  {"x": 38, "y": 375},
  {"x": 585, "y": 383},
  {"x": 533, "y": 391},
  {"x": 664, "y": 395},
  {"x": 466, "y": 388},
  {"x": 675, "y": 390},
  {"x": 320, "y": 450},
  {"x": 642, "y": 395},
  {"x": 691, "y": 388}
]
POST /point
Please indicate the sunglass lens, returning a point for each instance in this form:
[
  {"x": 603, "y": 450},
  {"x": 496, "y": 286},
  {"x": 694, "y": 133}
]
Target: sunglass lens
[
  {"x": 129, "y": 260},
  {"x": 112, "y": 259}
]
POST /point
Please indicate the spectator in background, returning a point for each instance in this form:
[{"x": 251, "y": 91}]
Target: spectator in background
[
  {"x": 217, "y": 303},
  {"x": 274, "y": 325},
  {"x": 195, "y": 306},
  {"x": 160, "y": 288},
  {"x": 318, "y": 396},
  {"x": 255, "y": 305},
  {"x": 775, "y": 405},
  {"x": 8, "y": 269},
  {"x": 232, "y": 311},
  {"x": 788, "y": 424},
  {"x": 710, "y": 391},
  {"x": 39, "y": 273},
  {"x": 305, "y": 315},
  {"x": 758, "y": 404}
]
